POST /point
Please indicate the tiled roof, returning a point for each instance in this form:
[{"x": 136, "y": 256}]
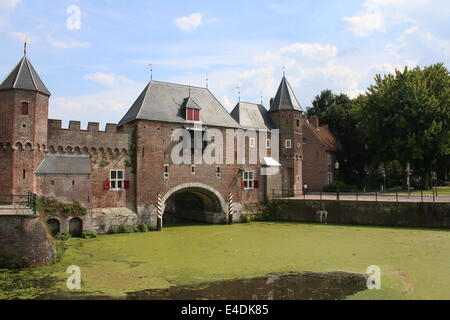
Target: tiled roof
[
  {"x": 65, "y": 164},
  {"x": 325, "y": 137},
  {"x": 24, "y": 77},
  {"x": 285, "y": 98},
  {"x": 161, "y": 101},
  {"x": 252, "y": 116}
]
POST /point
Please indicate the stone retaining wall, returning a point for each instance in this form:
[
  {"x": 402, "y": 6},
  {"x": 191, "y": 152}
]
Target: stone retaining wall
[{"x": 413, "y": 215}]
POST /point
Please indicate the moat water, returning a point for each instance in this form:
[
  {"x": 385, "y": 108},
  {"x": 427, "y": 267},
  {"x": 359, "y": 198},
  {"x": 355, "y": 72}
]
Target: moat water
[{"x": 302, "y": 286}]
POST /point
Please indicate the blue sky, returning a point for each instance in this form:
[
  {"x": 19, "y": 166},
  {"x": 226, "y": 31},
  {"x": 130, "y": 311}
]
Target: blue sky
[{"x": 96, "y": 70}]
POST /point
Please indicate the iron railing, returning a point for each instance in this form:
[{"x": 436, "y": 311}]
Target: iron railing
[
  {"x": 18, "y": 203},
  {"x": 432, "y": 196}
]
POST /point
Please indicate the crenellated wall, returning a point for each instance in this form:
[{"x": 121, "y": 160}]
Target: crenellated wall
[{"x": 90, "y": 141}]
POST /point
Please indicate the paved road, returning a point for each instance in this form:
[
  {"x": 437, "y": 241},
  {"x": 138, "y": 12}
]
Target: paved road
[{"x": 380, "y": 198}]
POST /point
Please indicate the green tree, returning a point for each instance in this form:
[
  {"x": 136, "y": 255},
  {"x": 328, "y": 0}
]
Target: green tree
[{"x": 406, "y": 117}]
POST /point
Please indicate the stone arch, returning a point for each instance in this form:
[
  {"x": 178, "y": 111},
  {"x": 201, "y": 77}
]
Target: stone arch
[
  {"x": 28, "y": 147},
  {"x": 101, "y": 150},
  {"x": 85, "y": 150},
  {"x": 77, "y": 150},
  {"x": 18, "y": 146},
  {"x": 94, "y": 150},
  {"x": 60, "y": 149},
  {"x": 44, "y": 149},
  {"x": 52, "y": 149},
  {"x": 109, "y": 151},
  {"x": 38, "y": 147},
  {"x": 54, "y": 226},
  {"x": 75, "y": 227},
  {"x": 124, "y": 151},
  {"x": 116, "y": 151},
  {"x": 8, "y": 146},
  {"x": 202, "y": 192},
  {"x": 69, "y": 149}
]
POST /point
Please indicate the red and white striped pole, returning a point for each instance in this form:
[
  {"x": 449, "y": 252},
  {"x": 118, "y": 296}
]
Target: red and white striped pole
[
  {"x": 159, "y": 208},
  {"x": 230, "y": 208}
]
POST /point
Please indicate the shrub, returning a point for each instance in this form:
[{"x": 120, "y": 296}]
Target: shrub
[
  {"x": 63, "y": 236},
  {"x": 127, "y": 229},
  {"x": 60, "y": 250},
  {"x": 89, "y": 234},
  {"x": 270, "y": 209},
  {"x": 333, "y": 187},
  {"x": 142, "y": 227},
  {"x": 51, "y": 205}
]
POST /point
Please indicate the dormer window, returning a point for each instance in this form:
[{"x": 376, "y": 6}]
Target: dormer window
[
  {"x": 192, "y": 114},
  {"x": 192, "y": 110}
]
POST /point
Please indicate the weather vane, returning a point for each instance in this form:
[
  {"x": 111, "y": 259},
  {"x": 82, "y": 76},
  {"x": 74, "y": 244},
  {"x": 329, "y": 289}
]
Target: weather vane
[
  {"x": 239, "y": 92},
  {"x": 207, "y": 80},
  {"x": 151, "y": 71}
]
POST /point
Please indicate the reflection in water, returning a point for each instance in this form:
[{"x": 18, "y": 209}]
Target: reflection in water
[{"x": 303, "y": 286}]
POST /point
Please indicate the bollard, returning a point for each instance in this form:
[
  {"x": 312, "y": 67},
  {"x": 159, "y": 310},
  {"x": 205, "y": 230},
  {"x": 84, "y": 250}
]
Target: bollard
[
  {"x": 376, "y": 196},
  {"x": 421, "y": 195},
  {"x": 396, "y": 197}
]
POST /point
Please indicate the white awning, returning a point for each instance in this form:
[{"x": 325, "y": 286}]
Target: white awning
[{"x": 270, "y": 162}]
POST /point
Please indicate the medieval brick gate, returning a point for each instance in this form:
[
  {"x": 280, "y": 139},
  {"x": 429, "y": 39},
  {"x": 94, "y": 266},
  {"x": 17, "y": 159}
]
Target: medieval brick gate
[{"x": 193, "y": 202}]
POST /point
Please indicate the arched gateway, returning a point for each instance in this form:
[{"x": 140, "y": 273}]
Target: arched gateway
[{"x": 193, "y": 202}]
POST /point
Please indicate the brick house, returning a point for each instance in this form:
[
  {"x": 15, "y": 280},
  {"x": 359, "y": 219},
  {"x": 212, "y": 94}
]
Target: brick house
[{"x": 118, "y": 173}]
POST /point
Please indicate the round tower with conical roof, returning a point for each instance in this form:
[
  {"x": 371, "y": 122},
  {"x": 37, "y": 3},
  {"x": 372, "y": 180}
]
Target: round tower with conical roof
[
  {"x": 287, "y": 116},
  {"x": 23, "y": 128}
]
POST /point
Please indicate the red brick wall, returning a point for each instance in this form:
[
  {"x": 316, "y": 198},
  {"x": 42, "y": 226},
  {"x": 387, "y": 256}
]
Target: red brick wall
[
  {"x": 315, "y": 163},
  {"x": 155, "y": 146}
]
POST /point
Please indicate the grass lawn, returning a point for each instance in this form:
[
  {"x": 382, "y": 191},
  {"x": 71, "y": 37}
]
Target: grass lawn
[
  {"x": 440, "y": 190},
  {"x": 415, "y": 263}
]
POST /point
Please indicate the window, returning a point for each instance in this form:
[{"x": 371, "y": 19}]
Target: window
[
  {"x": 329, "y": 178},
  {"x": 24, "y": 174},
  {"x": 268, "y": 143},
  {"x": 252, "y": 142},
  {"x": 116, "y": 180},
  {"x": 192, "y": 114},
  {"x": 192, "y": 169},
  {"x": 298, "y": 123},
  {"x": 249, "y": 180},
  {"x": 166, "y": 171},
  {"x": 288, "y": 144},
  {"x": 329, "y": 161},
  {"x": 24, "y": 109}
]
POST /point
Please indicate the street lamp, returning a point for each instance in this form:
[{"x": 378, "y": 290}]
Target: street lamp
[{"x": 336, "y": 166}]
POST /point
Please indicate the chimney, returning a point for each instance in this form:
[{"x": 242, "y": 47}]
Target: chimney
[{"x": 314, "y": 120}]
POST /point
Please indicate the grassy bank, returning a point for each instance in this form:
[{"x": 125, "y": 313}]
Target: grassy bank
[{"x": 414, "y": 263}]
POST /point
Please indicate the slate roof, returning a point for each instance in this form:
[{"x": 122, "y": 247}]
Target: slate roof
[
  {"x": 162, "y": 101},
  {"x": 65, "y": 164},
  {"x": 252, "y": 116},
  {"x": 24, "y": 77},
  {"x": 285, "y": 98}
]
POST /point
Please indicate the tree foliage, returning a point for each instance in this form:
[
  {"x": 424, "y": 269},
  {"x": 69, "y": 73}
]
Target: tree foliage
[{"x": 406, "y": 117}]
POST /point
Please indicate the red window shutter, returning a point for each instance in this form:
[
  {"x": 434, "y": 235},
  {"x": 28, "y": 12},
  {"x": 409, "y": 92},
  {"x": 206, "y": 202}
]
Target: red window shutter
[
  {"x": 256, "y": 183},
  {"x": 190, "y": 114},
  {"x": 126, "y": 184},
  {"x": 196, "y": 115},
  {"x": 106, "y": 185},
  {"x": 243, "y": 185}
]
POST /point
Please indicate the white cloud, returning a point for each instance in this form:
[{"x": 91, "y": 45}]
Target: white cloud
[
  {"x": 315, "y": 51},
  {"x": 9, "y": 3},
  {"x": 67, "y": 44},
  {"x": 378, "y": 15},
  {"x": 367, "y": 21},
  {"x": 190, "y": 22},
  {"x": 110, "y": 80},
  {"x": 106, "y": 106}
]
